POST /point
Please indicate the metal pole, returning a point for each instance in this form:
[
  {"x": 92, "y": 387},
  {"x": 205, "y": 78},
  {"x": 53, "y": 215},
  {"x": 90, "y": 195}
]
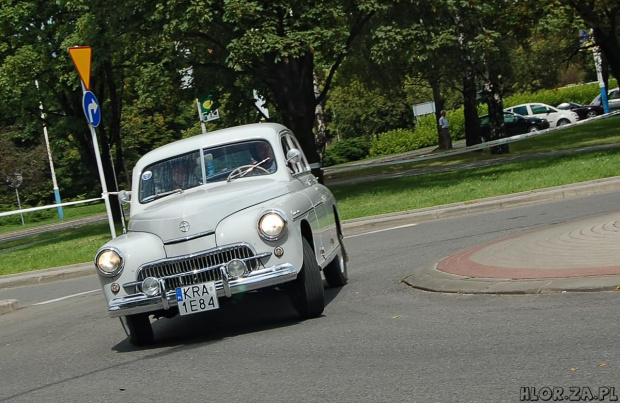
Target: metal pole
[
  {"x": 49, "y": 157},
  {"x": 19, "y": 205},
  {"x": 598, "y": 63},
  {"x": 202, "y": 123},
  {"x": 104, "y": 186}
]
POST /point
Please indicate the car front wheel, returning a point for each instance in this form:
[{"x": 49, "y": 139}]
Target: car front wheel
[
  {"x": 138, "y": 329},
  {"x": 591, "y": 114},
  {"x": 563, "y": 122},
  {"x": 532, "y": 129},
  {"x": 306, "y": 292}
]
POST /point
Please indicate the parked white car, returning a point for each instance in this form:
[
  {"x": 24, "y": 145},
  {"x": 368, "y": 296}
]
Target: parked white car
[
  {"x": 555, "y": 117},
  {"x": 613, "y": 99},
  {"x": 232, "y": 211}
]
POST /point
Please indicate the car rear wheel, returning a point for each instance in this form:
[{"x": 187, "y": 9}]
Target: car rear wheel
[
  {"x": 563, "y": 122},
  {"x": 306, "y": 292},
  {"x": 336, "y": 271},
  {"x": 591, "y": 114},
  {"x": 138, "y": 329}
]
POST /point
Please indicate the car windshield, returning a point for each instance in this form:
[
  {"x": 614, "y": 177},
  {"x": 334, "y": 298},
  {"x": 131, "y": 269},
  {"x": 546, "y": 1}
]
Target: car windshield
[{"x": 212, "y": 164}]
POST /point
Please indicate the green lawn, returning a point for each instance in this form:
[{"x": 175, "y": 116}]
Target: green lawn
[{"x": 366, "y": 198}]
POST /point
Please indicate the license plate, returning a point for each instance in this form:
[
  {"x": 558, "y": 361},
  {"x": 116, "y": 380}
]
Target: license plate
[{"x": 197, "y": 298}]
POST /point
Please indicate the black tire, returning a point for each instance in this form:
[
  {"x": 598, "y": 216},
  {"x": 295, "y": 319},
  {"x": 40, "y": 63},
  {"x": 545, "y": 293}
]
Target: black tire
[
  {"x": 533, "y": 128},
  {"x": 563, "y": 122},
  {"x": 336, "y": 271},
  {"x": 138, "y": 329},
  {"x": 591, "y": 114},
  {"x": 306, "y": 292}
]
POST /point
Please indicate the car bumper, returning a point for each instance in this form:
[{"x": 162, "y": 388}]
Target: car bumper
[{"x": 141, "y": 303}]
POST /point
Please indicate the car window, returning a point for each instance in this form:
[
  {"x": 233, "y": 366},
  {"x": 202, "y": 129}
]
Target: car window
[
  {"x": 509, "y": 118},
  {"x": 289, "y": 142},
  {"x": 484, "y": 120},
  {"x": 539, "y": 109},
  {"x": 212, "y": 164},
  {"x": 180, "y": 172},
  {"x": 521, "y": 110}
]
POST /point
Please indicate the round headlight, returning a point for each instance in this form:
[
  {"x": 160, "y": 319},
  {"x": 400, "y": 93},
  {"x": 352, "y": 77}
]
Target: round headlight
[
  {"x": 109, "y": 262},
  {"x": 272, "y": 225},
  {"x": 150, "y": 286}
]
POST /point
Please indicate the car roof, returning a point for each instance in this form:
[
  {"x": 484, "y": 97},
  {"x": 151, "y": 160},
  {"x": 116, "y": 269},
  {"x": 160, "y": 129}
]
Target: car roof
[{"x": 254, "y": 131}]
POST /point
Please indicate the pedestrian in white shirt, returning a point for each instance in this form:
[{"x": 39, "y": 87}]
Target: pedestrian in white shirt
[{"x": 445, "y": 142}]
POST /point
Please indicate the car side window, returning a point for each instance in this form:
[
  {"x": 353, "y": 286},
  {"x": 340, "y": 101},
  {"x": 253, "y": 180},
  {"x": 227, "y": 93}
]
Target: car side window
[
  {"x": 539, "y": 109},
  {"x": 509, "y": 118},
  {"x": 521, "y": 110},
  {"x": 289, "y": 142}
]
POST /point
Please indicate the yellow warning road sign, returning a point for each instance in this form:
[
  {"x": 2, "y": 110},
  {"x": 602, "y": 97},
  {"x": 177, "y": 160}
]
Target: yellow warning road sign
[{"x": 81, "y": 56}]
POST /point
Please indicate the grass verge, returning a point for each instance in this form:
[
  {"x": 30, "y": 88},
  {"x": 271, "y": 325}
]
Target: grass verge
[{"x": 385, "y": 195}]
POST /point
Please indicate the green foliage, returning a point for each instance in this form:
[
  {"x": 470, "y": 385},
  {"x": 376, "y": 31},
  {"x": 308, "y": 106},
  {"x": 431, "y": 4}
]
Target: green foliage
[
  {"x": 581, "y": 94},
  {"x": 401, "y": 140},
  {"x": 353, "y": 149}
]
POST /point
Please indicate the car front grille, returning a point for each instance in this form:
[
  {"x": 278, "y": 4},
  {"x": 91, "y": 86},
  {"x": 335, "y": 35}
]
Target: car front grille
[{"x": 182, "y": 271}]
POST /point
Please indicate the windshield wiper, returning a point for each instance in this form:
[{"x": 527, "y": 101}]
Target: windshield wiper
[{"x": 160, "y": 195}]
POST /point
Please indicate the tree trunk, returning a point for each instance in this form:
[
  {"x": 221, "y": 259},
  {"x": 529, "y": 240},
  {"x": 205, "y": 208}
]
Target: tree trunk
[
  {"x": 439, "y": 105},
  {"x": 293, "y": 89},
  {"x": 470, "y": 107},
  {"x": 493, "y": 95}
]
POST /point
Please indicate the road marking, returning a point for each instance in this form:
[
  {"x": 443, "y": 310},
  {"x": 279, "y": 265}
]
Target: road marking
[
  {"x": 67, "y": 297},
  {"x": 382, "y": 230}
]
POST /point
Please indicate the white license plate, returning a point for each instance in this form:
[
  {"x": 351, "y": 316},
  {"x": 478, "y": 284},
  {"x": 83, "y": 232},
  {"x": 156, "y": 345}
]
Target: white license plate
[{"x": 197, "y": 298}]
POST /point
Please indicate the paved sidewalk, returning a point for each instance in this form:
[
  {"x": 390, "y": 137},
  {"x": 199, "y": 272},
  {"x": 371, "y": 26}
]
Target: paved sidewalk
[{"x": 577, "y": 256}]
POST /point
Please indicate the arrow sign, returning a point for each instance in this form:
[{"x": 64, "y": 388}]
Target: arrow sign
[
  {"x": 91, "y": 108},
  {"x": 81, "y": 56}
]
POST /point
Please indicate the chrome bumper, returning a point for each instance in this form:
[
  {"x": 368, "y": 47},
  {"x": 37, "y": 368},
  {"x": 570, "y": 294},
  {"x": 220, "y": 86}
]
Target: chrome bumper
[{"x": 140, "y": 303}]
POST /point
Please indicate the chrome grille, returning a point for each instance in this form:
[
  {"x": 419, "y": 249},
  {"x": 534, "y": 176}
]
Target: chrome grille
[{"x": 179, "y": 271}]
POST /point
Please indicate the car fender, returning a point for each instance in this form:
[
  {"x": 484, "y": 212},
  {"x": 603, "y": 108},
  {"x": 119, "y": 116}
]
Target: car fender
[{"x": 136, "y": 249}]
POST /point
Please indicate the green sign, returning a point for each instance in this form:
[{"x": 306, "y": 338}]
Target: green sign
[{"x": 206, "y": 109}]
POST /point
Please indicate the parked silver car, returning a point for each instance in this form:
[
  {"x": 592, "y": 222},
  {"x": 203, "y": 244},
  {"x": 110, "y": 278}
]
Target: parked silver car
[{"x": 232, "y": 211}]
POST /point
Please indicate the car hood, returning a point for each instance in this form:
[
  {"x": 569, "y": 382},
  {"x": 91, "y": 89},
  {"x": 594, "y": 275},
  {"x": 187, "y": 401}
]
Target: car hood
[{"x": 202, "y": 208}]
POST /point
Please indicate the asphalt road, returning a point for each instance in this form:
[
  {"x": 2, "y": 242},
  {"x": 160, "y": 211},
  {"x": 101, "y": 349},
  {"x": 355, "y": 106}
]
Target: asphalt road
[{"x": 378, "y": 340}]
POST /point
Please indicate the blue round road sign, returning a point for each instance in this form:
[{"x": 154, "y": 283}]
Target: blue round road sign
[{"x": 91, "y": 108}]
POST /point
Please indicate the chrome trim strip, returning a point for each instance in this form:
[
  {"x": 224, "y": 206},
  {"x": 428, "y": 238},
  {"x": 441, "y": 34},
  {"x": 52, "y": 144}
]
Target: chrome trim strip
[
  {"x": 189, "y": 238},
  {"x": 141, "y": 303},
  {"x": 301, "y": 215}
]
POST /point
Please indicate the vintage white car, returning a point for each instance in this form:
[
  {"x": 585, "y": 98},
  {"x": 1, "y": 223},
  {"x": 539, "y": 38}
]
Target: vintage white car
[{"x": 231, "y": 211}]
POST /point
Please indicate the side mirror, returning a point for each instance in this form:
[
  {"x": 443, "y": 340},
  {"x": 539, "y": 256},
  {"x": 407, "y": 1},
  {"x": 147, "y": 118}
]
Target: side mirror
[
  {"x": 124, "y": 196},
  {"x": 293, "y": 155}
]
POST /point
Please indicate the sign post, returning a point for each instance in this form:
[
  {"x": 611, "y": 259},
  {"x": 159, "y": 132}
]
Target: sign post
[
  {"x": 81, "y": 56},
  {"x": 598, "y": 64},
  {"x": 49, "y": 157}
]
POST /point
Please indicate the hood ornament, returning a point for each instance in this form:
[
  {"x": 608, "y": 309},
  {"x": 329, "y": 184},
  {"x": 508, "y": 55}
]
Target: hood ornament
[{"x": 184, "y": 226}]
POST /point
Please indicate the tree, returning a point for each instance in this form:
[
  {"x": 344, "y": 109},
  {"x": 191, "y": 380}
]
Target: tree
[
  {"x": 274, "y": 47},
  {"x": 603, "y": 17}
]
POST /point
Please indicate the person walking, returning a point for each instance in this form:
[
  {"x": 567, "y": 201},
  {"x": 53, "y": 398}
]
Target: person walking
[{"x": 445, "y": 142}]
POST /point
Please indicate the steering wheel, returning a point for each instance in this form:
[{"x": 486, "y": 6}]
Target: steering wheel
[{"x": 237, "y": 171}]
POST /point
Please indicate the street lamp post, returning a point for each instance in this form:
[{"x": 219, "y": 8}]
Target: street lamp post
[
  {"x": 14, "y": 181},
  {"x": 49, "y": 157}
]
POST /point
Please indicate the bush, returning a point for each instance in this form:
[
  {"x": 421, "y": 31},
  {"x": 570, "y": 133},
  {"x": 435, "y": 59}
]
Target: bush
[
  {"x": 403, "y": 140},
  {"x": 353, "y": 149}
]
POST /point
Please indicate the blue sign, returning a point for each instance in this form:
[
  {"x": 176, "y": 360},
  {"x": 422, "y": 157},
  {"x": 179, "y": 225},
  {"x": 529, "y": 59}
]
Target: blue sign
[{"x": 91, "y": 108}]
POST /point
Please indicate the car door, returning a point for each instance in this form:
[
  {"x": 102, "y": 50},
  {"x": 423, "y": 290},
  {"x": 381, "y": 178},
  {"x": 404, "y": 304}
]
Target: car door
[
  {"x": 321, "y": 217},
  {"x": 543, "y": 112},
  {"x": 511, "y": 124},
  {"x": 613, "y": 99}
]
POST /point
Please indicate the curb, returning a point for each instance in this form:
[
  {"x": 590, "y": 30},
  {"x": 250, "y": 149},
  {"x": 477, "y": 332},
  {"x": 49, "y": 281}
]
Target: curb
[{"x": 428, "y": 278}]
